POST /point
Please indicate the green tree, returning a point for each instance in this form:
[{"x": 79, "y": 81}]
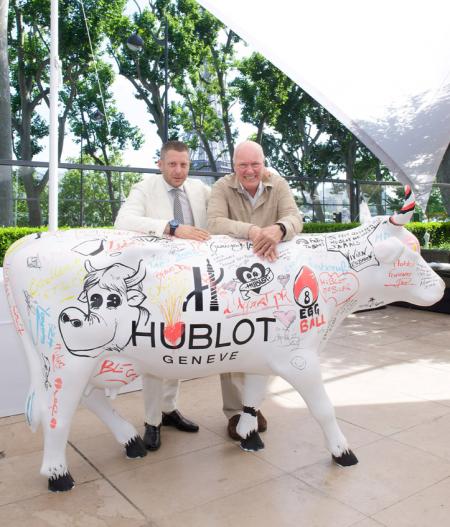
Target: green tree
[
  {"x": 197, "y": 67},
  {"x": 263, "y": 90},
  {"x": 6, "y": 196},
  {"x": 443, "y": 176},
  {"x": 85, "y": 196},
  {"x": 28, "y": 38},
  {"x": 102, "y": 135}
]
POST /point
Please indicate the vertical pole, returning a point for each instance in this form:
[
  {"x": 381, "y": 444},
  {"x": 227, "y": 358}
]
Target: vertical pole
[
  {"x": 53, "y": 135},
  {"x": 357, "y": 199},
  {"x": 166, "y": 80}
]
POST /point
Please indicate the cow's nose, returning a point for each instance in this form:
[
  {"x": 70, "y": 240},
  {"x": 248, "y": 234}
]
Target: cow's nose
[{"x": 75, "y": 322}]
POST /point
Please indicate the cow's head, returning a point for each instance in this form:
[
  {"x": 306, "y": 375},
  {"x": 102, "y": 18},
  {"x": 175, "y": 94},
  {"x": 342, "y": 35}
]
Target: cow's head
[
  {"x": 113, "y": 297},
  {"x": 405, "y": 275}
]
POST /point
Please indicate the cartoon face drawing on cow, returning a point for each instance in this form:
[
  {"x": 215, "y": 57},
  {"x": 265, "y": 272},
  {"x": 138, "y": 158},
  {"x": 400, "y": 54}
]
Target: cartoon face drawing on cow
[
  {"x": 113, "y": 297},
  {"x": 253, "y": 279}
]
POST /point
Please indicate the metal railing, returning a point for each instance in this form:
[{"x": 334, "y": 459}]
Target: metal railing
[{"x": 91, "y": 195}]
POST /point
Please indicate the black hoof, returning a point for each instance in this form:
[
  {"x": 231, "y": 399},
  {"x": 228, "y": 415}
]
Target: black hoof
[
  {"x": 135, "y": 448},
  {"x": 61, "y": 483},
  {"x": 252, "y": 443},
  {"x": 346, "y": 460}
]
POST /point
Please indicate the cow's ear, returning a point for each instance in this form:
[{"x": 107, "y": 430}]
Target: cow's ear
[
  {"x": 135, "y": 297},
  {"x": 82, "y": 297},
  {"x": 388, "y": 251}
]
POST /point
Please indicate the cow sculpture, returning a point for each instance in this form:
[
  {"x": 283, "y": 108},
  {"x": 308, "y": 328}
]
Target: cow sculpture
[{"x": 96, "y": 308}]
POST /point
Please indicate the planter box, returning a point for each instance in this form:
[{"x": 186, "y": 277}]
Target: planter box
[{"x": 436, "y": 255}]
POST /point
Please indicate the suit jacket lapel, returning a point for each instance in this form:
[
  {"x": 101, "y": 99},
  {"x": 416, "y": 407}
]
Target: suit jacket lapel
[{"x": 162, "y": 199}]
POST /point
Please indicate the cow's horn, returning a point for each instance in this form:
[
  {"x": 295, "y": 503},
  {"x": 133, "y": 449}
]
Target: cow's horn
[
  {"x": 405, "y": 214},
  {"x": 137, "y": 277},
  {"x": 89, "y": 267}
]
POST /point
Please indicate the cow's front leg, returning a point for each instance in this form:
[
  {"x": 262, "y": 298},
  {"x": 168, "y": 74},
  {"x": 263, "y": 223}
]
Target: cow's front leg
[
  {"x": 123, "y": 431},
  {"x": 58, "y": 410},
  {"x": 253, "y": 393},
  {"x": 303, "y": 373}
]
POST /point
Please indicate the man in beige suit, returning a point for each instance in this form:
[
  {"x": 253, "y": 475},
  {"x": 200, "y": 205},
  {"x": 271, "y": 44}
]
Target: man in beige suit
[
  {"x": 166, "y": 203},
  {"x": 257, "y": 204}
]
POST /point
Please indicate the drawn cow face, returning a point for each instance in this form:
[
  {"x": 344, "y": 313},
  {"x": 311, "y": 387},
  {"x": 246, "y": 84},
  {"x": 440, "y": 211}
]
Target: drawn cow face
[{"x": 112, "y": 296}]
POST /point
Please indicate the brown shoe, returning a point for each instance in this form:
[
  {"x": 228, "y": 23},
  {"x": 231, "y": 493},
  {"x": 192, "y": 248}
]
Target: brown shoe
[
  {"x": 232, "y": 424},
  {"x": 233, "y": 421},
  {"x": 262, "y": 422}
]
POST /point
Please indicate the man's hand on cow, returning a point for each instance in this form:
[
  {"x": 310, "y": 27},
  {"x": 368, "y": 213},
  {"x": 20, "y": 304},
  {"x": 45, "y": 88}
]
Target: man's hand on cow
[
  {"x": 265, "y": 241},
  {"x": 189, "y": 232}
]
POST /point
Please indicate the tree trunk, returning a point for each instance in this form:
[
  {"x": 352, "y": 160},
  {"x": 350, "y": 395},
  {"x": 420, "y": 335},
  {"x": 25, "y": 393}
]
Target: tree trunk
[
  {"x": 443, "y": 176},
  {"x": 33, "y": 196},
  {"x": 379, "y": 193},
  {"x": 318, "y": 214},
  {"x": 260, "y": 131},
  {"x": 109, "y": 182},
  {"x": 350, "y": 158},
  {"x": 6, "y": 195}
]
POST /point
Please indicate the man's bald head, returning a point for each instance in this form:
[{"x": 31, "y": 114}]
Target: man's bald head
[
  {"x": 249, "y": 165},
  {"x": 248, "y": 147}
]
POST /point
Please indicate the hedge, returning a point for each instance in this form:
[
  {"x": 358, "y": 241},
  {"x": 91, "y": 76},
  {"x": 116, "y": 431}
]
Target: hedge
[{"x": 439, "y": 232}]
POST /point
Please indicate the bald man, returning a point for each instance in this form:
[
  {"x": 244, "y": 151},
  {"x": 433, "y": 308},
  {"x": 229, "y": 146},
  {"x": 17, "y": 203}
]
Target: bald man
[{"x": 256, "y": 204}]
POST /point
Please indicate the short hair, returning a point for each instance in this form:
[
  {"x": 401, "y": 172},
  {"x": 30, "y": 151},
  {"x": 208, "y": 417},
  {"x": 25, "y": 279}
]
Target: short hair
[{"x": 179, "y": 146}]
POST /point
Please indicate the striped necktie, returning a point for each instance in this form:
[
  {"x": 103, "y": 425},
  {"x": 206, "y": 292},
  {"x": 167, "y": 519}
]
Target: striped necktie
[{"x": 177, "y": 210}]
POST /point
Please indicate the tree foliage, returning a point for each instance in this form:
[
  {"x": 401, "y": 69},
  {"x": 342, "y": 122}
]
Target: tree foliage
[
  {"x": 198, "y": 62},
  {"x": 29, "y": 44}
]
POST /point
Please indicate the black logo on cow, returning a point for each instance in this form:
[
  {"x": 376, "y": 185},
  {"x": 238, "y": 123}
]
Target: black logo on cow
[
  {"x": 197, "y": 293},
  {"x": 253, "y": 279}
]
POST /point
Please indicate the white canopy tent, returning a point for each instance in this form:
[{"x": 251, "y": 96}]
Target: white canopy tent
[{"x": 382, "y": 68}]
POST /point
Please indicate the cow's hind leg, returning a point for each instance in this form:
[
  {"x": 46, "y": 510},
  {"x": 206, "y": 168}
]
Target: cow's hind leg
[
  {"x": 123, "y": 431},
  {"x": 254, "y": 391},
  {"x": 303, "y": 373},
  {"x": 64, "y": 396}
]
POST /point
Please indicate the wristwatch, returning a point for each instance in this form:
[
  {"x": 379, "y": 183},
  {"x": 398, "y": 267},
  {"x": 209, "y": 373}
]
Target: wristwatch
[
  {"x": 173, "y": 226},
  {"x": 282, "y": 228}
]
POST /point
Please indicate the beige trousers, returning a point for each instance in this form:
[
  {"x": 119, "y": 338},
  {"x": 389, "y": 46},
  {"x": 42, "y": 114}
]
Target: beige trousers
[
  {"x": 160, "y": 395},
  {"x": 232, "y": 389}
]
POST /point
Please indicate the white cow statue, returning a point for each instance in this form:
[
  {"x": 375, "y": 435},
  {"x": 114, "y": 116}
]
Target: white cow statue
[{"x": 95, "y": 308}]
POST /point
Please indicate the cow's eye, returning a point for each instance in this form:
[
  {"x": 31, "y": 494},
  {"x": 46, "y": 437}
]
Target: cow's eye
[
  {"x": 96, "y": 301},
  {"x": 113, "y": 300}
]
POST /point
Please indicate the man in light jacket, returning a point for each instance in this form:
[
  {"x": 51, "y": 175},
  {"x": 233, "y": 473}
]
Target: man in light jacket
[
  {"x": 257, "y": 204},
  {"x": 166, "y": 203}
]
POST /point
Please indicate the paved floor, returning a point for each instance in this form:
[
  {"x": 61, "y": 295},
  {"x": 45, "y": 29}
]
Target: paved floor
[{"x": 388, "y": 375}]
